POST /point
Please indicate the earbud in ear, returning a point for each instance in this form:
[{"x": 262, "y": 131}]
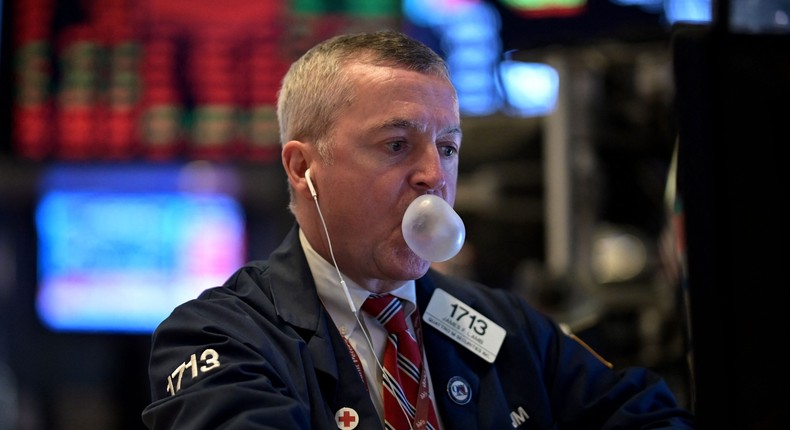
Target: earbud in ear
[{"x": 310, "y": 183}]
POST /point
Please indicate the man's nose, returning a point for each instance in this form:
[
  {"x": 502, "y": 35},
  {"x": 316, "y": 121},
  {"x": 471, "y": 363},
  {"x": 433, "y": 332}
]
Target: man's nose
[{"x": 429, "y": 175}]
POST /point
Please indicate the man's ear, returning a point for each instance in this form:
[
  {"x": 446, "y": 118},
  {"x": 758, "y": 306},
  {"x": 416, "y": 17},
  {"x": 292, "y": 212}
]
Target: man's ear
[{"x": 296, "y": 158}]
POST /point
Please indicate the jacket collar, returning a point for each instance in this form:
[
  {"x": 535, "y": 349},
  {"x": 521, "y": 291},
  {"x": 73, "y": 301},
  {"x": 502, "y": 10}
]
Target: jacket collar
[
  {"x": 296, "y": 301},
  {"x": 292, "y": 287}
]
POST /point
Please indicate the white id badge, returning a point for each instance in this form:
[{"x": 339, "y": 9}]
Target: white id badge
[{"x": 464, "y": 325}]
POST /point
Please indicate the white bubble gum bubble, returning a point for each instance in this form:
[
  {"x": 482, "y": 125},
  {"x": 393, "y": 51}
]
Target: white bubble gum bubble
[{"x": 432, "y": 229}]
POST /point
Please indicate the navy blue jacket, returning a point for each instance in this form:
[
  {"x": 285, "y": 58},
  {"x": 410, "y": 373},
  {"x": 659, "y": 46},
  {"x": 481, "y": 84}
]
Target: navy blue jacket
[{"x": 261, "y": 352}]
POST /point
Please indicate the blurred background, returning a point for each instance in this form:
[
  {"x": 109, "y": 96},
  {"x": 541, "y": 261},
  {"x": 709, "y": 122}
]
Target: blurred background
[{"x": 139, "y": 165}]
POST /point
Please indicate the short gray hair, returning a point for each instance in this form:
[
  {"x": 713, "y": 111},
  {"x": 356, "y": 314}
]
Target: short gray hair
[{"x": 316, "y": 87}]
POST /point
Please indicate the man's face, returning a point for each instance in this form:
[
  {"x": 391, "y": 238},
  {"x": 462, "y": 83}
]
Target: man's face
[{"x": 397, "y": 140}]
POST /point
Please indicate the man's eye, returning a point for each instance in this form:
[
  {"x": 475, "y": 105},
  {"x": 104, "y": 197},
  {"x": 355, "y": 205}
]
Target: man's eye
[
  {"x": 448, "y": 151},
  {"x": 396, "y": 146}
]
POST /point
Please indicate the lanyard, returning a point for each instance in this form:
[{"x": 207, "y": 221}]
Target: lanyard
[
  {"x": 423, "y": 396},
  {"x": 357, "y": 362}
]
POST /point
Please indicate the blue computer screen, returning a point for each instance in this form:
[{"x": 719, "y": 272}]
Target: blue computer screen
[{"x": 118, "y": 249}]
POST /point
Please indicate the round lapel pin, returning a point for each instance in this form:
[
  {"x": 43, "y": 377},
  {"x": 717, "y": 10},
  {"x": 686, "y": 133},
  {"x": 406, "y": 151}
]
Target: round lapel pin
[
  {"x": 346, "y": 419},
  {"x": 459, "y": 390}
]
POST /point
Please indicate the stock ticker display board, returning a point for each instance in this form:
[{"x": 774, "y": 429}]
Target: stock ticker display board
[{"x": 162, "y": 79}]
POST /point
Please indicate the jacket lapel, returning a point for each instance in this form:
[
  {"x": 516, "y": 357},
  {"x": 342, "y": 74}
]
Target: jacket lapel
[
  {"x": 293, "y": 292},
  {"x": 446, "y": 361}
]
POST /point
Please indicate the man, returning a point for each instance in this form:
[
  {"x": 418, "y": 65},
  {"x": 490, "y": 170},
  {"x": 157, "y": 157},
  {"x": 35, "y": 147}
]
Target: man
[{"x": 368, "y": 124}]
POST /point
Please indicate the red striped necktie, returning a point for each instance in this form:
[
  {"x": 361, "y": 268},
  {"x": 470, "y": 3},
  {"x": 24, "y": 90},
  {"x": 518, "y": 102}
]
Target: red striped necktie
[{"x": 407, "y": 404}]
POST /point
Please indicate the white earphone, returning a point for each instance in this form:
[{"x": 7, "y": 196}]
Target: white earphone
[{"x": 310, "y": 183}]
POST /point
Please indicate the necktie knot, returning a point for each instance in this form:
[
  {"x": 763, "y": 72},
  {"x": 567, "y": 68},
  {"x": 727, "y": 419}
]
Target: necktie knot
[{"x": 388, "y": 310}]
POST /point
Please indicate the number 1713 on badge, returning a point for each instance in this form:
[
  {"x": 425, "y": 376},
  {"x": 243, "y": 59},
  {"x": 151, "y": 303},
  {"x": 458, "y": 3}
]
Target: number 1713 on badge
[{"x": 464, "y": 325}]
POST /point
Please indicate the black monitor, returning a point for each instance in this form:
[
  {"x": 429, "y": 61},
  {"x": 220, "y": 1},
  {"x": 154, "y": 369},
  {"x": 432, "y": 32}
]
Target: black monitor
[{"x": 733, "y": 88}]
